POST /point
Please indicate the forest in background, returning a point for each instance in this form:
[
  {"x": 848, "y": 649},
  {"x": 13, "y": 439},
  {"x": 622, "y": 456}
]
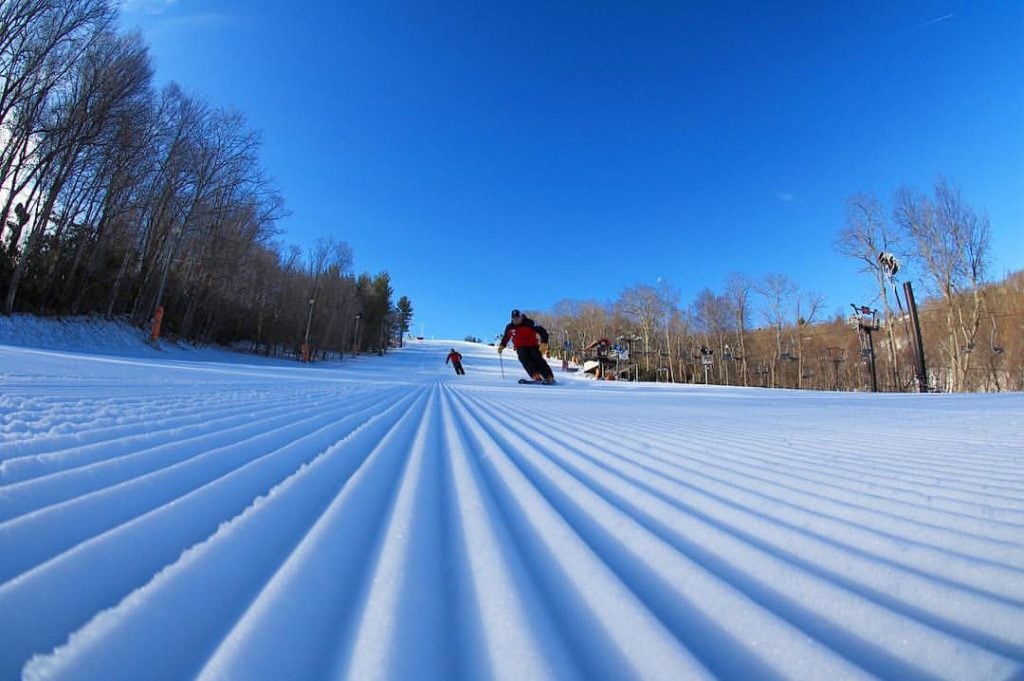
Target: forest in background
[
  {"x": 825, "y": 355},
  {"x": 770, "y": 332},
  {"x": 120, "y": 200}
]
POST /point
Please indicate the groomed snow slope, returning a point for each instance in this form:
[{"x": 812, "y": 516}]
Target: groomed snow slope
[{"x": 170, "y": 515}]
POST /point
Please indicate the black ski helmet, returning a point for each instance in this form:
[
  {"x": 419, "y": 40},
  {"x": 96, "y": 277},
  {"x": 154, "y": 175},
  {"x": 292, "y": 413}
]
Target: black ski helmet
[{"x": 516, "y": 313}]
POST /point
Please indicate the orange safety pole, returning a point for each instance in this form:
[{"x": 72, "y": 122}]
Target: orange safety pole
[{"x": 158, "y": 317}]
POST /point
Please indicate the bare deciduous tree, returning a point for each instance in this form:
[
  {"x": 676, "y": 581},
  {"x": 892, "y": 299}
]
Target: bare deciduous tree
[
  {"x": 808, "y": 306},
  {"x": 646, "y": 307},
  {"x": 45, "y": 53},
  {"x": 866, "y": 235},
  {"x": 714, "y": 317},
  {"x": 777, "y": 290},
  {"x": 737, "y": 291},
  {"x": 951, "y": 241}
]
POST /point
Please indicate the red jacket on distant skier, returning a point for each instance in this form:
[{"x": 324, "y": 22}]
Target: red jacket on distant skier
[{"x": 455, "y": 358}]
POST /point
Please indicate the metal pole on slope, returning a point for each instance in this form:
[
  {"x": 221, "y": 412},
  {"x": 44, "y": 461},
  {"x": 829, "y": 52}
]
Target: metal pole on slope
[
  {"x": 919, "y": 369},
  {"x": 501, "y": 362}
]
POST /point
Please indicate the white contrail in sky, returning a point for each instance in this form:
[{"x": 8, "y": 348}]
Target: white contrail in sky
[
  {"x": 147, "y": 6},
  {"x": 935, "y": 21}
]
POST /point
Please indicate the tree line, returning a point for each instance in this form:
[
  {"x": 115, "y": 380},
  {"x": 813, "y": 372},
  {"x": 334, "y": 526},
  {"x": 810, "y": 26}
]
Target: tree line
[
  {"x": 768, "y": 331},
  {"x": 118, "y": 199}
]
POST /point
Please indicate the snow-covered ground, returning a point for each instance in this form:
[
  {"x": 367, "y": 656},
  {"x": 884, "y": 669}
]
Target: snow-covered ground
[{"x": 181, "y": 513}]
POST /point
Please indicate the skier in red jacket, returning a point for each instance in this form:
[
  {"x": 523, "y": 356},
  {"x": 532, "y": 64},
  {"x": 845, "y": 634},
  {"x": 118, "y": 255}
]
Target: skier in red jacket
[
  {"x": 531, "y": 342},
  {"x": 456, "y": 359}
]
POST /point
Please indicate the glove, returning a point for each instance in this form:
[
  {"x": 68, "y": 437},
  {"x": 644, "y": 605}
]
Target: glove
[
  {"x": 501, "y": 349},
  {"x": 544, "y": 349}
]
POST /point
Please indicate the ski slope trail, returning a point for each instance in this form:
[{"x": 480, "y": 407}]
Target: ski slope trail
[{"x": 379, "y": 517}]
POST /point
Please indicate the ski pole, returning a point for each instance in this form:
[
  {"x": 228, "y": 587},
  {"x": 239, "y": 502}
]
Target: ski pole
[{"x": 501, "y": 363}]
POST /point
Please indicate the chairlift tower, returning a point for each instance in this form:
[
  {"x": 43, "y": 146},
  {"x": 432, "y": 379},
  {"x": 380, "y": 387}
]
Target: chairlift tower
[{"x": 865, "y": 320}]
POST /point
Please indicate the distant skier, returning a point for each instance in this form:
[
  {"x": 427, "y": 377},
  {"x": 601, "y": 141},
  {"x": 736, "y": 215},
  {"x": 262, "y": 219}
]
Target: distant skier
[
  {"x": 456, "y": 359},
  {"x": 531, "y": 343}
]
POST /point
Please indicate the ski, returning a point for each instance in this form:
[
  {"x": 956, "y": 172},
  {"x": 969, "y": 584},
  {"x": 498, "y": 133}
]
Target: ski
[{"x": 528, "y": 381}]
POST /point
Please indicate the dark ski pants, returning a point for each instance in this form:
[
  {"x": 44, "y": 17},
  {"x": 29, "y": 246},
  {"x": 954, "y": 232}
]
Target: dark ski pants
[
  {"x": 459, "y": 371},
  {"x": 534, "y": 362}
]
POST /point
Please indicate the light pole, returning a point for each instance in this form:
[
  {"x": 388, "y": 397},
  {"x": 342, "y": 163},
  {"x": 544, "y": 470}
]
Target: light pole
[
  {"x": 355, "y": 346},
  {"x": 565, "y": 349},
  {"x": 309, "y": 323}
]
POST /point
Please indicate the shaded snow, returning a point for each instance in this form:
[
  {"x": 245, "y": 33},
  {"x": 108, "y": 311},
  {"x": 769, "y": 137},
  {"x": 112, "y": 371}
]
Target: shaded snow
[{"x": 187, "y": 512}]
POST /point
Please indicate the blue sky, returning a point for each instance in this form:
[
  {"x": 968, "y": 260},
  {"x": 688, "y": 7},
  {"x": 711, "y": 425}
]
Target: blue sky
[{"x": 500, "y": 155}]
